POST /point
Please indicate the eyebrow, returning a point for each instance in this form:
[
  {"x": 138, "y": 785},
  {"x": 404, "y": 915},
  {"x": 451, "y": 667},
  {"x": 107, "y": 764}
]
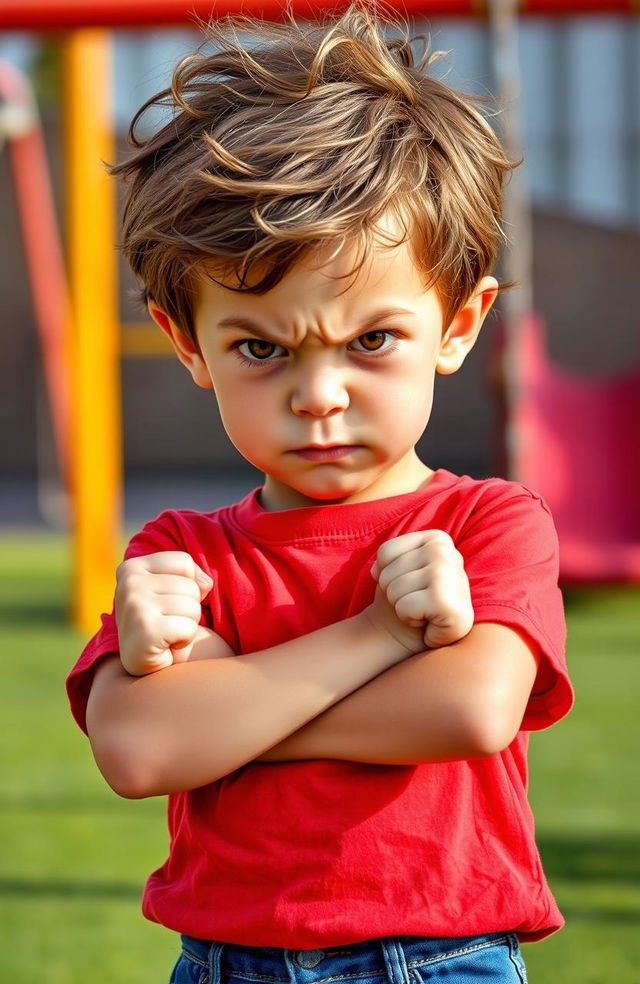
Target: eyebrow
[{"x": 235, "y": 322}]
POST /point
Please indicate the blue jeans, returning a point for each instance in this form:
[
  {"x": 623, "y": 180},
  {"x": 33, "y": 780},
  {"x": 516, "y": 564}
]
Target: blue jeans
[{"x": 492, "y": 959}]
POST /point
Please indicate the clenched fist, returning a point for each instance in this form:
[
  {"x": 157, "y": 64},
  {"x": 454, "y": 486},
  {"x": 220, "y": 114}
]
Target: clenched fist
[
  {"x": 158, "y": 608},
  {"x": 423, "y": 578}
]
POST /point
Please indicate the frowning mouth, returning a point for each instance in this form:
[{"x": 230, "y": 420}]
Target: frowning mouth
[{"x": 327, "y": 452}]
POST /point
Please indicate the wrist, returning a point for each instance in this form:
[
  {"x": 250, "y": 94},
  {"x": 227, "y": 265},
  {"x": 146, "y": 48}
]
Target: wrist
[
  {"x": 207, "y": 644},
  {"x": 405, "y": 640},
  {"x": 382, "y": 640}
]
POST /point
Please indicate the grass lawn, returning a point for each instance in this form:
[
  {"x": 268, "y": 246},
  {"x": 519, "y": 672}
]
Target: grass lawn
[{"x": 75, "y": 856}]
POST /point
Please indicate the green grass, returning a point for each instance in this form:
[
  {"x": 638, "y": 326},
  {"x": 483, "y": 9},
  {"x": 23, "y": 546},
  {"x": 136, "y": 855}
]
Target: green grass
[
  {"x": 586, "y": 797},
  {"x": 74, "y": 857}
]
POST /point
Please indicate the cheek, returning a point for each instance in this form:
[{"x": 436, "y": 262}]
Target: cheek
[
  {"x": 408, "y": 401},
  {"x": 244, "y": 414}
]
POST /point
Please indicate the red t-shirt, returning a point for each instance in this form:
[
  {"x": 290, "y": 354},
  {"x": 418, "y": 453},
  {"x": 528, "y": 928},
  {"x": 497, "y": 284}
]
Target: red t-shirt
[{"x": 320, "y": 853}]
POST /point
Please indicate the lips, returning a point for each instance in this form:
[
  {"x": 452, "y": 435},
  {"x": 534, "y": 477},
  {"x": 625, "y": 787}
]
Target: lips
[{"x": 325, "y": 452}]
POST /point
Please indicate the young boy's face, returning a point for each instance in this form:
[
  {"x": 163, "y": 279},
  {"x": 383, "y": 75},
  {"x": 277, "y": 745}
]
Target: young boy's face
[{"x": 328, "y": 393}]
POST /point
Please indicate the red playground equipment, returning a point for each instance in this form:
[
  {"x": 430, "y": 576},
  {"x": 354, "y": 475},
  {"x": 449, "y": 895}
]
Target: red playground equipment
[
  {"x": 576, "y": 443},
  {"x": 20, "y": 126}
]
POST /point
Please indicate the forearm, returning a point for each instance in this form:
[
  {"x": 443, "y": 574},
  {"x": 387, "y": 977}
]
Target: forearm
[
  {"x": 194, "y": 722},
  {"x": 462, "y": 701},
  {"x": 395, "y": 719}
]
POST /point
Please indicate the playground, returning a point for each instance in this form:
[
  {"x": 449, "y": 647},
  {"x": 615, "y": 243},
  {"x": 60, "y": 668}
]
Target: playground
[
  {"x": 70, "y": 908},
  {"x": 72, "y": 905}
]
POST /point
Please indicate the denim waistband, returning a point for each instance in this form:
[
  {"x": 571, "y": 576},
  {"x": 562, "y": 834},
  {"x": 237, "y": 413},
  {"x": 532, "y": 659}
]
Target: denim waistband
[{"x": 391, "y": 958}]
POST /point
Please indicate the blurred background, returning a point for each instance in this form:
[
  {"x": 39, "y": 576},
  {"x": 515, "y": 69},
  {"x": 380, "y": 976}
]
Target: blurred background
[
  {"x": 551, "y": 397},
  {"x": 580, "y": 124}
]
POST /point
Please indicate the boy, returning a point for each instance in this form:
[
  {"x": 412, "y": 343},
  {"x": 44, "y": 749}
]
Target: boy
[{"x": 345, "y": 760}]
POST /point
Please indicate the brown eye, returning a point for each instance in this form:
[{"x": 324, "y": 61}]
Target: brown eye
[
  {"x": 259, "y": 350},
  {"x": 372, "y": 341}
]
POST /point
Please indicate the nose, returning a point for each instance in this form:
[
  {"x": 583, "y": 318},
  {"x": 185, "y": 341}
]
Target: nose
[{"x": 320, "y": 391}]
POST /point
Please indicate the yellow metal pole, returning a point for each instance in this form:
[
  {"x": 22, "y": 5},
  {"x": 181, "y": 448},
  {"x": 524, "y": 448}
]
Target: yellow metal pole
[{"x": 96, "y": 469}]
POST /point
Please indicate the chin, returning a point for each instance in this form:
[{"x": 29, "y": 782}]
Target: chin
[
  {"x": 333, "y": 497},
  {"x": 328, "y": 497}
]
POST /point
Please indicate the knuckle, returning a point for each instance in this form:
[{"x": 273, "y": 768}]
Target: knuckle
[
  {"x": 193, "y": 590},
  {"x": 384, "y": 579},
  {"x": 124, "y": 570},
  {"x": 169, "y": 562},
  {"x": 441, "y": 551},
  {"x": 385, "y": 553},
  {"x": 439, "y": 542},
  {"x": 457, "y": 556},
  {"x": 185, "y": 562},
  {"x": 129, "y": 594},
  {"x": 393, "y": 592},
  {"x": 194, "y": 610},
  {"x": 126, "y": 606},
  {"x": 446, "y": 559}
]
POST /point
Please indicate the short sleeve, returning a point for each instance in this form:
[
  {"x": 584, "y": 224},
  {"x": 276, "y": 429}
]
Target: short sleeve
[
  {"x": 160, "y": 534},
  {"x": 510, "y": 548}
]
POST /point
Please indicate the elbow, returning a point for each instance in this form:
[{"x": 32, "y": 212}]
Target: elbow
[
  {"x": 129, "y": 786},
  {"x": 140, "y": 769},
  {"x": 118, "y": 742},
  {"x": 487, "y": 741},
  {"x": 490, "y": 728},
  {"x": 128, "y": 774}
]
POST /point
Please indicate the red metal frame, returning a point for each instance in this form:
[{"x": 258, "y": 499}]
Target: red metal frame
[
  {"x": 66, "y": 14},
  {"x": 43, "y": 250}
]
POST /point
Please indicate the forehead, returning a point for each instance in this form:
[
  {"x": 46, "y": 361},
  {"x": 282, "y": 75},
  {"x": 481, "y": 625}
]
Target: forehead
[{"x": 322, "y": 294}]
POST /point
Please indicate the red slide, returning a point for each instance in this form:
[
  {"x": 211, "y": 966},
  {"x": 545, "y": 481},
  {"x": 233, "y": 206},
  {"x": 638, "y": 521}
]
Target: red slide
[{"x": 577, "y": 441}]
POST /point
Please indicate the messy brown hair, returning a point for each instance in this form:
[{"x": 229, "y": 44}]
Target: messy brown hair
[{"x": 291, "y": 137}]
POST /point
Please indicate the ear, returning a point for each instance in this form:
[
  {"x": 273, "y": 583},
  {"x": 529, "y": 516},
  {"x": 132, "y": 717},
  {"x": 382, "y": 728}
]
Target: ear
[
  {"x": 461, "y": 335},
  {"x": 187, "y": 352}
]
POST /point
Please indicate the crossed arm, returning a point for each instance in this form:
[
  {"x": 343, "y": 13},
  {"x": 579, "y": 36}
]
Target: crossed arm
[
  {"x": 456, "y": 702},
  {"x": 390, "y": 702}
]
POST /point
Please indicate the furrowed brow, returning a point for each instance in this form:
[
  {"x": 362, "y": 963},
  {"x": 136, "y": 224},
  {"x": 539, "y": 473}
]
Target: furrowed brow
[
  {"x": 234, "y": 323},
  {"x": 237, "y": 323}
]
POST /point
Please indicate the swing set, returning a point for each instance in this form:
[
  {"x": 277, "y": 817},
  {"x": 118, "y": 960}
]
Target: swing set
[{"x": 570, "y": 436}]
